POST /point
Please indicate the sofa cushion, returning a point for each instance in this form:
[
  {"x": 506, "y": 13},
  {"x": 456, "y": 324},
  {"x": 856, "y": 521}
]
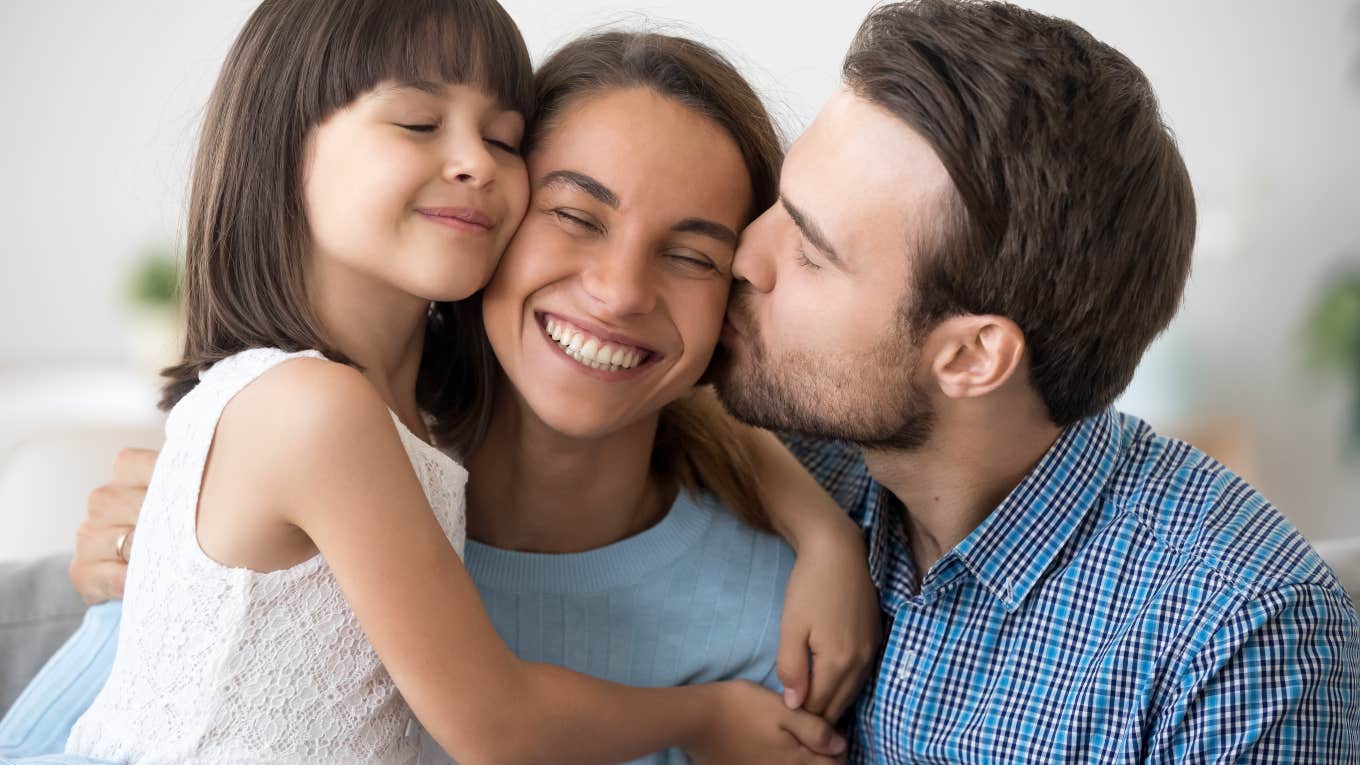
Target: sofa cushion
[{"x": 38, "y": 611}]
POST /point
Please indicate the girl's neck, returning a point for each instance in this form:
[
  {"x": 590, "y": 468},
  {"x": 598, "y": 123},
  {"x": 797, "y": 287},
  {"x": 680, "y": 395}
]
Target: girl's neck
[
  {"x": 379, "y": 327},
  {"x": 534, "y": 489}
]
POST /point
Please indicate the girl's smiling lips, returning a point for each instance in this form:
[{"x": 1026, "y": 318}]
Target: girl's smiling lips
[{"x": 468, "y": 219}]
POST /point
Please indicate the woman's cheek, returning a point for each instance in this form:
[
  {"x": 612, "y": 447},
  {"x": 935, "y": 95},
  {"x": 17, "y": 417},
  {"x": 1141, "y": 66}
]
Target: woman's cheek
[{"x": 704, "y": 308}]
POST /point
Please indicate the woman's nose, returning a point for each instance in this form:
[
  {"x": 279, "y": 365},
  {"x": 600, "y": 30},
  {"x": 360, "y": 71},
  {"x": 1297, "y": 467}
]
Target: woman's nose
[{"x": 620, "y": 281}]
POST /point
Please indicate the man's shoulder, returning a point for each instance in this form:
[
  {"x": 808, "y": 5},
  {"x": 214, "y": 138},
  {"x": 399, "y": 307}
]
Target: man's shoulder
[
  {"x": 839, "y": 467},
  {"x": 1209, "y": 517}
]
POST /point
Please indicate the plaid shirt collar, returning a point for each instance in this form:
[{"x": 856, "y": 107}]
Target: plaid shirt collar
[{"x": 1020, "y": 539}]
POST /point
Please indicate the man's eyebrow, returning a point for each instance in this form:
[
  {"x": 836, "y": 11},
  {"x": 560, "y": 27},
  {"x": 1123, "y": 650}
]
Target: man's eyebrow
[
  {"x": 584, "y": 183},
  {"x": 811, "y": 231},
  {"x": 707, "y": 228}
]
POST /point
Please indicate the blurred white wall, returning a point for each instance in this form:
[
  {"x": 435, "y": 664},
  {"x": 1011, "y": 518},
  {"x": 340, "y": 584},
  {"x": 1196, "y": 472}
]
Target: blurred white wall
[{"x": 101, "y": 103}]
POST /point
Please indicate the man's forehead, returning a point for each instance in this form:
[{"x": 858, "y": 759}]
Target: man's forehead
[{"x": 864, "y": 174}]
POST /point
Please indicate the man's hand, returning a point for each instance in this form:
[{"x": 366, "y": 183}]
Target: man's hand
[{"x": 96, "y": 571}]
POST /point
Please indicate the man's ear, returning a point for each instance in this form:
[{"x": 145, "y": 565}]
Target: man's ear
[{"x": 972, "y": 355}]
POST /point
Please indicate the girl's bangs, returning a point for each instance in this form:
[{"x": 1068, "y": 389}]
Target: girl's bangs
[{"x": 471, "y": 42}]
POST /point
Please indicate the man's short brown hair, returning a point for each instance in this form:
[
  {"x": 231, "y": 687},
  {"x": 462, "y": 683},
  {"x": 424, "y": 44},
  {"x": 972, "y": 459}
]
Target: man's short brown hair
[{"x": 1072, "y": 212}]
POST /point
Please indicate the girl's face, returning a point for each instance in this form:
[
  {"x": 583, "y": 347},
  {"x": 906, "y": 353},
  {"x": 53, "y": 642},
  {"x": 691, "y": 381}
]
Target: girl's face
[
  {"x": 610, "y": 300},
  {"x": 416, "y": 185}
]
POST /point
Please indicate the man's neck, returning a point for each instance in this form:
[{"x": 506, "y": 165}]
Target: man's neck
[
  {"x": 533, "y": 489},
  {"x": 974, "y": 459}
]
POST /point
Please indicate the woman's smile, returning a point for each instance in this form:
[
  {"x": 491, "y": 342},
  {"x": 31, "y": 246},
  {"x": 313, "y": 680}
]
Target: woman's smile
[{"x": 594, "y": 352}]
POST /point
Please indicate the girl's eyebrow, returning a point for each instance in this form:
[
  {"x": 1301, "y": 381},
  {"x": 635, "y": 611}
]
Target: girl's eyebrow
[
  {"x": 429, "y": 88},
  {"x": 424, "y": 86}
]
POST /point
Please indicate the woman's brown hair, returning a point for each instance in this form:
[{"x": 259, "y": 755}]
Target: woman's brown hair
[
  {"x": 697, "y": 445},
  {"x": 295, "y": 63}
]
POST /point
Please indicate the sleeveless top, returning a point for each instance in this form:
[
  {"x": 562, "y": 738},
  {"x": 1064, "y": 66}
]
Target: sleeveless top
[{"x": 219, "y": 664}]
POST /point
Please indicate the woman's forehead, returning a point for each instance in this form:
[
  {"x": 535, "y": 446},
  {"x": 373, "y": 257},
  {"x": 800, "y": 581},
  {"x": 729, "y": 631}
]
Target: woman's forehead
[{"x": 644, "y": 147}]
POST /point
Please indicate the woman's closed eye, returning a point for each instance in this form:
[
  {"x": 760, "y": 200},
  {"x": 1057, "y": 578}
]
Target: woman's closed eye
[
  {"x": 692, "y": 260},
  {"x": 575, "y": 219}
]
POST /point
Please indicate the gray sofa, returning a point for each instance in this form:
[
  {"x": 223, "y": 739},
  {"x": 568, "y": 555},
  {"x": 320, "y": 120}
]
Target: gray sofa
[{"x": 38, "y": 611}]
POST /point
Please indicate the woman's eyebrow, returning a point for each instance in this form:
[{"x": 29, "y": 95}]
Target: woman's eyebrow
[
  {"x": 583, "y": 182},
  {"x": 706, "y": 228}
]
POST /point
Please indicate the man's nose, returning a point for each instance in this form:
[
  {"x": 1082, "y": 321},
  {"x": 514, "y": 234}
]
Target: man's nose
[{"x": 754, "y": 261}]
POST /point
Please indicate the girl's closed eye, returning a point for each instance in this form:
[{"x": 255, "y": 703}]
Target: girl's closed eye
[{"x": 508, "y": 147}]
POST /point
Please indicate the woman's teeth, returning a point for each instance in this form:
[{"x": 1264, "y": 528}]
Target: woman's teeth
[{"x": 589, "y": 350}]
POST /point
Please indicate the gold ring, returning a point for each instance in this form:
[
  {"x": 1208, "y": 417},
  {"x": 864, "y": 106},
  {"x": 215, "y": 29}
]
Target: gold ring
[{"x": 120, "y": 545}]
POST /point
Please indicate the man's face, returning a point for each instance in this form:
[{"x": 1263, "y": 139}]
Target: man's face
[{"x": 818, "y": 340}]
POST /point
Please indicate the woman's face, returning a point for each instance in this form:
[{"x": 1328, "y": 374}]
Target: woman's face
[{"x": 610, "y": 299}]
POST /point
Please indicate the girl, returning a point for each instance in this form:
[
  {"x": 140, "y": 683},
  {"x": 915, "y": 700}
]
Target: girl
[{"x": 401, "y": 186}]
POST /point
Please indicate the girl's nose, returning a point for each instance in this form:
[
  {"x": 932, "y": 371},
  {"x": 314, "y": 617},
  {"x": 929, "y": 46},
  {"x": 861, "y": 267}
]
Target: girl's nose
[{"x": 470, "y": 162}]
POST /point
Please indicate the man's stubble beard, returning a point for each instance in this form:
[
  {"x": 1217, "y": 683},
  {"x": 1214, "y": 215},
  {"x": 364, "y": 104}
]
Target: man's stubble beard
[{"x": 875, "y": 402}]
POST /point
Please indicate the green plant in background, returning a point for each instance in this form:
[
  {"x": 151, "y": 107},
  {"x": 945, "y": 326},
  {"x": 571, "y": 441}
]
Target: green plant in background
[
  {"x": 155, "y": 280},
  {"x": 1333, "y": 334}
]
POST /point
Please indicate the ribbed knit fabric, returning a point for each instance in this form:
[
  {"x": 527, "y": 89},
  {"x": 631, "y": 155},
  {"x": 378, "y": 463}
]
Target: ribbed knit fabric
[{"x": 695, "y": 598}]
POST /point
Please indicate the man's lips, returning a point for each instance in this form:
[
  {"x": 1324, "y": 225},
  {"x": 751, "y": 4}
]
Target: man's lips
[{"x": 466, "y": 218}]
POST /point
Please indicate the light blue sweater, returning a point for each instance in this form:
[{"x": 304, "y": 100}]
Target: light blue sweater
[{"x": 695, "y": 598}]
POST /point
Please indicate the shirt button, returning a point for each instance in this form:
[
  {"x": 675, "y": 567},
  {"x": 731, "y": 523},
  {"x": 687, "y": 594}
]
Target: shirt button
[{"x": 904, "y": 669}]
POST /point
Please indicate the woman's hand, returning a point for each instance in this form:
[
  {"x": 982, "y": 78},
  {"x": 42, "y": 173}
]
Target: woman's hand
[
  {"x": 97, "y": 572},
  {"x": 750, "y": 725},
  {"x": 830, "y": 630}
]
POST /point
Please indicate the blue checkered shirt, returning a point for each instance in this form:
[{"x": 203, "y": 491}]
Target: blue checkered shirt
[{"x": 1131, "y": 601}]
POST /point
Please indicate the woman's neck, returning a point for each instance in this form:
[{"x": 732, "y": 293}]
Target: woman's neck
[
  {"x": 533, "y": 489},
  {"x": 380, "y": 328}
]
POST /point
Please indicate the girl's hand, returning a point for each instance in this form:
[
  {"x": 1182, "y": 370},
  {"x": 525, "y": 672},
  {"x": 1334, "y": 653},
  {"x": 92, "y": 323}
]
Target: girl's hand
[
  {"x": 830, "y": 630},
  {"x": 749, "y": 725}
]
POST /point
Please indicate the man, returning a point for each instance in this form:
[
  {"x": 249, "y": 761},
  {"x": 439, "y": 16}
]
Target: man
[{"x": 978, "y": 237}]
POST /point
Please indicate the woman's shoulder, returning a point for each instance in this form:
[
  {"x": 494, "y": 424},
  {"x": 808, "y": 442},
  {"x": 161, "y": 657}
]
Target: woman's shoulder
[{"x": 727, "y": 537}]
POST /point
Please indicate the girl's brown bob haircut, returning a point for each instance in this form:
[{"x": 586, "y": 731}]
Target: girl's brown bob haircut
[{"x": 295, "y": 63}]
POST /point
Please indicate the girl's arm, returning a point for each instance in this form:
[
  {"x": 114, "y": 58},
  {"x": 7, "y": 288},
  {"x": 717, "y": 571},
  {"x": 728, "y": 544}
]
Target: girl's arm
[
  {"x": 330, "y": 457},
  {"x": 830, "y": 629}
]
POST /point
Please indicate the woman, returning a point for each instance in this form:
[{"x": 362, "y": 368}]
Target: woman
[{"x": 605, "y": 492}]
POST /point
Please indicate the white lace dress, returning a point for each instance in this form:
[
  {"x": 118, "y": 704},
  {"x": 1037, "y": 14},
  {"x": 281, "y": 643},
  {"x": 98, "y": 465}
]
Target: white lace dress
[{"x": 219, "y": 664}]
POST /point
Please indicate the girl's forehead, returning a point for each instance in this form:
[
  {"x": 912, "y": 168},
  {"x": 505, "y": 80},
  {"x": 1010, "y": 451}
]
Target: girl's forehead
[{"x": 473, "y": 94}]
